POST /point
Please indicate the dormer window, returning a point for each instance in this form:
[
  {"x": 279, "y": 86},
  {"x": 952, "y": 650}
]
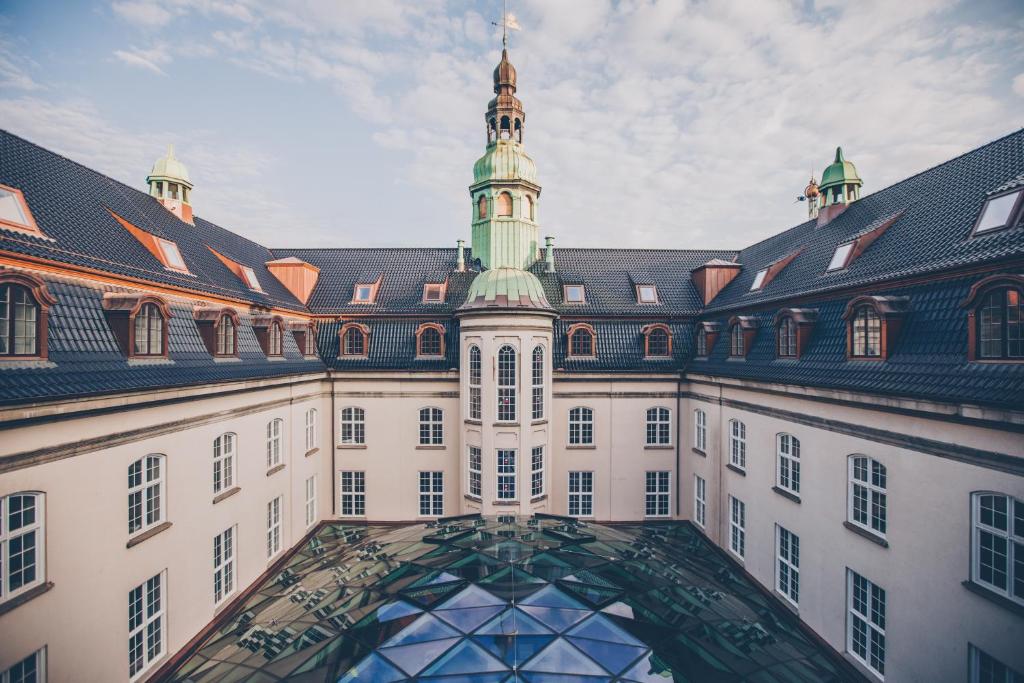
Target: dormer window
[
  {"x": 270, "y": 335},
  {"x": 705, "y": 337},
  {"x": 701, "y": 342},
  {"x": 172, "y": 257},
  {"x": 14, "y": 212},
  {"x": 305, "y": 337},
  {"x": 873, "y": 323},
  {"x": 219, "y": 330},
  {"x": 365, "y": 292},
  {"x": 226, "y": 336},
  {"x": 848, "y": 252},
  {"x": 657, "y": 341},
  {"x": 355, "y": 340},
  {"x": 1001, "y": 211},
  {"x": 250, "y": 279},
  {"x": 149, "y": 331},
  {"x": 24, "y": 305},
  {"x": 742, "y": 329},
  {"x": 433, "y": 293},
  {"x": 582, "y": 340},
  {"x": 737, "y": 347},
  {"x": 573, "y": 294},
  {"x": 840, "y": 257},
  {"x": 758, "y": 280},
  {"x": 430, "y": 341},
  {"x": 995, "y": 319},
  {"x": 647, "y": 294}
]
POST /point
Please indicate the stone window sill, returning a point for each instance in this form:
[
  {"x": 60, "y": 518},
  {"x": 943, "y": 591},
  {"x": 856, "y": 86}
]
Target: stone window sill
[
  {"x": 475, "y": 499},
  {"x": 470, "y": 421},
  {"x": 539, "y": 422},
  {"x": 505, "y": 502},
  {"x": 505, "y": 424},
  {"x": 581, "y": 447},
  {"x": 423, "y": 447},
  {"x": 786, "y": 494},
  {"x": 737, "y": 470},
  {"x": 352, "y": 446},
  {"x": 275, "y": 469},
  {"x": 312, "y": 451},
  {"x": 146, "y": 535},
  {"x": 223, "y": 495},
  {"x": 699, "y": 452},
  {"x": 20, "y": 600},
  {"x": 864, "y": 533},
  {"x": 537, "y": 499},
  {"x": 659, "y": 447},
  {"x": 227, "y": 359},
  {"x": 992, "y": 596}
]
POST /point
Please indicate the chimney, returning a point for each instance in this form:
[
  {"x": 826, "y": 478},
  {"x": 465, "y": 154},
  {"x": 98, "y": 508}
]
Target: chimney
[
  {"x": 712, "y": 277},
  {"x": 460, "y": 263},
  {"x": 549, "y": 254},
  {"x": 169, "y": 183}
]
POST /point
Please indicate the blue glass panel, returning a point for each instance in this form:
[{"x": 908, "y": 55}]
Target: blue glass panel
[
  {"x": 465, "y": 658},
  {"x": 513, "y": 650},
  {"x": 565, "y": 678},
  {"x": 396, "y": 610},
  {"x": 561, "y": 657},
  {"x": 412, "y": 658},
  {"x": 471, "y": 596},
  {"x": 371, "y": 670},
  {"x": 549, "y": 596},
  {"x": 443, "y": 577},
  {"x": 600, "y": 627},
  {"x": 468, "y": 618},
  {"x": 646, "y": 671},
  {"x": 468, "y": 678},
  {"x": 611, "y": 656},
  {"x": 513, "y": 621},
  {"x": 427, "y": 627},
  {"x": 556, "y": 619}
]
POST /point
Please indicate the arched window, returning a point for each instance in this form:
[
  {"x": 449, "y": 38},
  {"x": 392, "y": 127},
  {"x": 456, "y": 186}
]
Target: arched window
[
  {"x": 788, "y": 465},
  {"x": 474, "y": 383},
  {"x": 492, "y": 130},
  {"x": 312, "y": 429},
  {"x": 24, "y": 301},
  {"x": 146, "y": 493},
  {"x": 866, "y": 332},
  {"x": 581, "y": 340},
  {"x": 997, "y": 544},
  {"x": 149, "y": 331},
  {"x": 867, "y": 494},
  {"x": 275, "y": 442},
  {"x": 507, "y": 384},
  {"x": 354, "y": 340},
  {"x": 506, "y": 128},
  {"x": 353, "y": 426},
  {"x": 504, "y": 204},
  {"x": 227, "y": 336},
  {"x": 481, "y": 207},
  {"x": 276, "y": 345},
  {"x": 223, "y": 462},
  {"x": 737, "y": 345},
  {"x": 430, "y": 340},
  {"x": 519, "y": 130},
  {"x": 431, "y": 427},
  {"x": 581, "y": 427},
  {"x": 537, "y": 383},
  {"x": 657, "y": 341},
  {"x": 1000, "y": 320},
  {"x": 787, "y": 338},
  {"x": 528, "y": 207},
  {"x": 659, "y": 427},
  {"x": 22, "y": 543},
  {"x": 702, "y": 342},
  {"x": 738, "y": 444}
]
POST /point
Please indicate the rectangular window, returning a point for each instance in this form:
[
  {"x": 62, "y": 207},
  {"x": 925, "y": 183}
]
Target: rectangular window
[
  {"x": 984, "y": 668},
  {"x": 250, "y": 279},
  {"x": 659, "y": 427},
  {"x": 581, "y": 427},
  {"x": 223, "y": 462},
  {"x": 998, "y": 212},
  {"x": 759, "y": 279},
  {"x": 310, "y": 501},
  {"x": 657, "y": 499},
  {"x": 223, "y": 565},
  {"x": 433, "y": 293},
  {"x": 353, "y": 494},
  {"x": 32, "y": 669},
  {"x": 474, "y": 383},
  {"x": 431, "y": 427},
  {"x": 537, "y": 383},
  {"x": 581, "y": 494},
  {"x": 507, "y": 383},
  {"x": 507, "y": 474},
  {"x": 274, "y": 429},
  {"x": 145, "y": 493},
  {"x": 274, "y": 526},
  {"x": 172, "y": 257},
  {"x": 475, "y": 472},
  {"x": 21, "y": 543},
  {"x": 363, "y": 293},
  {"x": 840, "y": 256},
  {"x": 312, "y": 429},
  {"x": 867, "y": 494},
  {"x": 574, "y": 294},
  {"x": 431, "y": 494},
  {"x": 353, "y": 426},
  {"x": 737, "y": 526},
  {"x": 738, "y": 444},
  {"x": 537, "y": 472},
  {"x": 865, "y": 625},
  {"x": 788, "y": 474},
  {"x": 998, "y": 544},
  {"x": 700, "y": 430},
  {"x": 788, "y": 564},
  {"x": 145, "y": 624},
  {"x": 700, "y": 501},
  {"x": 647, "y": 294}
]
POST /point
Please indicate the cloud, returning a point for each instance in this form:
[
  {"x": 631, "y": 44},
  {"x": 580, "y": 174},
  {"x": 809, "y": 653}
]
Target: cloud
[
  {"x": 1018, "y": 84},
  {"x": 146, "y": 14},
  {"x": 145, "y": 59}
]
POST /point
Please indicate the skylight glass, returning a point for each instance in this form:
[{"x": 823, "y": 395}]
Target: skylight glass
[
  {"x": 250, "y": 279},
  {"x": 839, "y": 258},
  {"x": 574, "y": 294},
  {"x": 997, "y": 212},
  {"x": 172, "y": 255},
  {"x": 759, "y": 279},
  {"x": 364, "y": 292},
  {"x": 433, "y": 293},
  {"x": 10, "y": 208},
  {"x": 648, "y": 294}
]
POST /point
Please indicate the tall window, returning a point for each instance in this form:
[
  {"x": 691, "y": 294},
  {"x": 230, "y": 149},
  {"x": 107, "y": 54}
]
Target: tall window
[
  {"x": 738, "y": 444},
  {"x": 1001, "y": 324},
  {"x": 431, "y": 427},
  {"x": 506, "y": 474},
  {"x": 998, "y": 544},
  {"x": 475, "y": 472},
  {"x": 657, "y": 496},
  {"x": 481, "y": 207},
  {"x": 527, "y": 202},
  {"x": 985, "y": 668},
  {"x": 537, "y": 471},
  {"x": 737, "y": 347},
  {"x": 31, "y": 669},
  {"x": 19, "y": 321},
  {"x": 787, "y": 338},
  {"x": 701, "y": 341},
  {"x": 659, "y": 427},
  {"x": 223, "y": 462},
  {"x": 149, "y": 330},
  {"x": 504, "y": 204},
  {"x": 274, "y": 442},
  {"x": 430, "y": 341},
  {"x": 866, "y": 333},
  {"x": 353, "y": 494},
  {"x": 658, "y": 342},
  {"x": 700, "y": 500},
  {"x": 145, "y": 493},
  {"x": 737, "y": 526},
  {"x": 787, "y": 559},
  {"x": 789, "y": 463},
  {"x": 21, "y": 543},
  {"x": 581, "y": 342},
  {"x": 223, "y": 565},
  {"x": 145, "y": 624},
  {"x": 581, "y": 426},
  {"x": 226, "y": 336},
  {"x": 310, "y": 341},
  {"x": 700, "y": 430},
  {"x": 353, "y": 342},
  {"x": 312, "y": 429},
  {"x": 274, "y": 526},
  {"x": 507, "y": 399},
  {"x": 867, "y": 495},
  {"x": 537, "y": 383},
  {"x": 275, "y": 346},
  {"x": 474, "y": 383},
  {"x": 310, "y": 501},
  {"x": 581, "y": 494},
  {"x": 353, "y": 426},
  {"x": 431, "y": 494},
  {"x": 865, "y": 625}
]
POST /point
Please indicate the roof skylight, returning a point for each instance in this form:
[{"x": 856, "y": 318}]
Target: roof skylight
[
  {"x": 172, "y": 256},
  {"x": 250, "y": 278},
  {"x": 14, "y": 212},
  {"x": 841, "y": 256},
  {"x": 574, "y": 294},
  {"x": 999, "y": 212},
  {"x": 759, "y": 279},
  {"x": 433, "y": 293},
  {"x": 647, "y": 294}
]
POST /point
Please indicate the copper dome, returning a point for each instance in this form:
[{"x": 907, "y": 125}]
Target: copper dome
[{"x": 504, "y": 73}]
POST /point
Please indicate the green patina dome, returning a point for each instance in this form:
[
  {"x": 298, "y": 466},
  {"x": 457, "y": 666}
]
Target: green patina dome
[
  {"x": 839, "y": 172},
  {"x": 506, "y": 288},
  {"x": 505, "y": 160},
  {"x": 169, "y": 168}
]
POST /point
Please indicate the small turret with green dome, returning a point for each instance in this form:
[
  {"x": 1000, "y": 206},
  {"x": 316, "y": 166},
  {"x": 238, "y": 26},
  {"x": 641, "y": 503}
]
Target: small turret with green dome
[
  {"x": 840, "y": 183},
  {"x": 169, "y": 182}
]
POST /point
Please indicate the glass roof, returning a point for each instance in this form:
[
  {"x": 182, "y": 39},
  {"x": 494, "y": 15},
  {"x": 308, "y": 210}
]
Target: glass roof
[{"x": 534, "y": 600}]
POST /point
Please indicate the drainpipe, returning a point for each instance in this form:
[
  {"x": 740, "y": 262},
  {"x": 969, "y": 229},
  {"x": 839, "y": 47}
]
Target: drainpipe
[
  {"x": 334, "y": 447},
  {"x": 679, "y": 423},
  {"x": 549, "y": 254},
  {"x": 460, "y": 264}
]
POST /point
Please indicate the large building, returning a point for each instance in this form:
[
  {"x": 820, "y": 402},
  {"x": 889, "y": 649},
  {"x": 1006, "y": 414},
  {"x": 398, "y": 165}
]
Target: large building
[{"x": 817, "y": 440}]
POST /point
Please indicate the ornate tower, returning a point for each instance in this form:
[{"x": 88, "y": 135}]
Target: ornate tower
[
  {"x": 170, "y": 184},
  {"x": 840, "y": 183}
]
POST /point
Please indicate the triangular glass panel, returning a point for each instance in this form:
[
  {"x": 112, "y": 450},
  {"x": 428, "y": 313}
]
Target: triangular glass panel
[
  {"x": 430, "y": 595},
  {"x": 562, "y": 658},
  {"x": 648, "y": 670},
  {"x": 412, "y": 658},
  {"x": 468, "y": 618},
  {"x": 619, "y": 609},
  {"x": 556, "y": 619},
  {"x": 549, "y": 596},
  {"x": 612, "y": 656},
  {"x": 372, "y": 669},
  {"x": 512, "y": 574},
  {"x": 513, "y": 650},
  {"x": 513, "y": 622},
  {"x": 595, "y": 595},
  {"x": 471, "y": 596},
  {"x": 465, "y": 658},
  {"x": 499, "y": 677},
  {"x": 427, "y": 627},
  {"x": 396, "y": 610},
  {"x": 600, "y": 627},
  {"x": 443, "y": 577}
]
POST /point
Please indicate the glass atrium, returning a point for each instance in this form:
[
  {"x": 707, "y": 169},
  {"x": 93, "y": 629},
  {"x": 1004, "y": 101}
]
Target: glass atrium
[{"x": 484, "y": 600}]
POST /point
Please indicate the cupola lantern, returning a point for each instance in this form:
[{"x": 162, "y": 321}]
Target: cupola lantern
[
  {"x": 840, "y": 183},
  {"x": 170, "y": 184}
]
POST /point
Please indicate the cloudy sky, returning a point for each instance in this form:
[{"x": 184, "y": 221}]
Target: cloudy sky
[{"x": 675, "y": 124}]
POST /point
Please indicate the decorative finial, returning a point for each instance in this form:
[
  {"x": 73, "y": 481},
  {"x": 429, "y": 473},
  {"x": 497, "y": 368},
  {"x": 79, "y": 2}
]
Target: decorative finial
[
  {"x": 170, "y": 151},
  {"x": 508, "y": 21}
]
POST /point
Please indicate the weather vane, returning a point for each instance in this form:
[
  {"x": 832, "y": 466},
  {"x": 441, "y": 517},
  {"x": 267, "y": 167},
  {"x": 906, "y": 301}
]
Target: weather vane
[{"x": 508, "y": 21}]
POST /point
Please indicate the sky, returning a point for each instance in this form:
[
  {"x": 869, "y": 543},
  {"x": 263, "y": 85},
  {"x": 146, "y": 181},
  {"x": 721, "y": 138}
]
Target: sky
[{"x": 663, "y": 124}]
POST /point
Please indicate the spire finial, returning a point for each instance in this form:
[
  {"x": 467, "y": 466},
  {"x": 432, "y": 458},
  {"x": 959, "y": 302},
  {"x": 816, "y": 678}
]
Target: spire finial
[
  {"x": 170, "y": 151},
  {"x": 508, "y": 21}
]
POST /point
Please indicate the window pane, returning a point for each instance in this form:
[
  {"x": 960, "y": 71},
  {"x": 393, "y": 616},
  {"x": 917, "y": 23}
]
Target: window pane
[{"x": 997, "y": 212}]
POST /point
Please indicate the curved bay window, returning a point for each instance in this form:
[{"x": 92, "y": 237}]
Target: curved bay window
[
  {"x": 430, "y": 340},
  {"x": 657, "y": 341},
  {"x": 507, "y": 384},
  {"x": 23, "y": 316},
  {"x": 355, "y": 340},
  {"x": 582, "y": 340}
]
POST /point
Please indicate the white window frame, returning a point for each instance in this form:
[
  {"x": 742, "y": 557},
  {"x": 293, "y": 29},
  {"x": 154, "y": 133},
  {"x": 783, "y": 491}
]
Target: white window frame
[
  {"x": 172, "y": 255},
  {"x": 475, "y": 380},
  {"x": 353, "y": 492},
  {"x": 432, "y": 497},
  {"x": 1011, "y": 538},
  {"x": 537, "y": 471},
  {"x": 143, "y": 622},
  {"x": 868, "y": 616},
  {"x": 275, "y": 514},
  {"x": 583, "y": 495},
  {"x": 658, "y": 491},
  {"x": 150, "y": 491},
  {"x": 507, "y": 474},
  {"x": 738, "y": 444},
  {"x": 840, "y": 257},
  {"x": 38, "y": 658},
  {"x": 737, "y": 527},
  {"x": 353, "y": 426},
  {"x": 312, "y": 429},
  {"x": 310, "y": 501},
  {"x": 431, "y": 426},
  {"x": 998, "y": 201},
  {"x": 700, "y": 501},
  {"x": 224, "y": 552},
  {"x": 642, "y": 292},
  {"x": 475, "y": 467},
  {"x": 507, "y": 390},
  {"x": 787, "y": 564},
  {"x": 758, "y": 280},
  {"x": 37, "y": 529},
  {"x": 224, "y": 461},
  {"x": 579, "y": 289},
  {"x": 537, "y": 382},
  {"x": 873, "y": 493},
  {"x": 275, "y": 442},
  {"x": 581, "y": 426},
  {"x": 249, "y": 275},
  {"x": 974, "y": 664},
  {"x": 659, "y": 419},
  {"x": 700, "y": 430},
  {"x": 787, "y": 463}
]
